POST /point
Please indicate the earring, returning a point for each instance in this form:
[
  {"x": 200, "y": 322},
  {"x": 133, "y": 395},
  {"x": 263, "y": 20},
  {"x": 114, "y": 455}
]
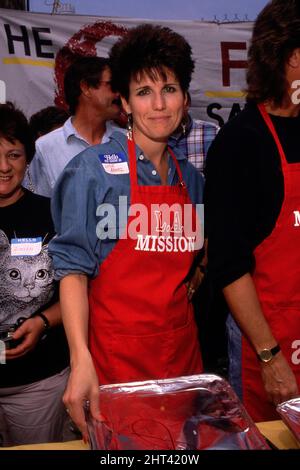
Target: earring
[
  {"x": 183, "y": 127},
  {"x": 129, "y": 126}
]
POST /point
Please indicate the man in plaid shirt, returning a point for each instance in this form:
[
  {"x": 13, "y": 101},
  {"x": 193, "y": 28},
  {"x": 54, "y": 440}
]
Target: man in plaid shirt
[{"x": 194, "y": 139}]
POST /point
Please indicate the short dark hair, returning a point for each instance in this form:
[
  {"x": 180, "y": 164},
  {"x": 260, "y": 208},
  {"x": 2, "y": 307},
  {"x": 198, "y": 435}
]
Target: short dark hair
[
  {"x": 275, "y": 35},
  {"x": 14, "y": 126},
  {"x": 87, "y": 69},
  {"x": 151, "y": 49},
  {"x": 46, "y": 120}
]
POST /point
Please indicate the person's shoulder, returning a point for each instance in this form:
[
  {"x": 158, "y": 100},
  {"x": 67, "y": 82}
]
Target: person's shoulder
[
  {"x": 33, "y": 197},
  {"x": 179, "y": 154},
  {"x": 112, "y": 127},
  {"x": 194, "y": 177},
  {"x": 247, "y": 123},
  {"x": 46, "y": 139},
  {"x": 192, "y": 171},
  {"x": 188, "y": 168},
  {"x": 206, "y": 125},
  {"x": 50, "y": 144},
  {"x": 239, "y": 143},
  {"x": 33, "y": 200},
  {"x": 89, "y": 158}
]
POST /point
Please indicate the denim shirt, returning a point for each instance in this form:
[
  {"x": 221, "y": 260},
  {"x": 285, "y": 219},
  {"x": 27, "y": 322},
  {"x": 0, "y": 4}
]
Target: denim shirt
[{"x": 85, "y": 186}]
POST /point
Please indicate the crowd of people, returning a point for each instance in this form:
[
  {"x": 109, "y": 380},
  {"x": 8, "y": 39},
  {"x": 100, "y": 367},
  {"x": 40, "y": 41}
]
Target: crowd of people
[{"x": 100, "y": 288}]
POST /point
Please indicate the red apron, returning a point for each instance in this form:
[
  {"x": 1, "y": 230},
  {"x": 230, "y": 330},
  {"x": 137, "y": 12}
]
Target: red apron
[
  {"x": 141, "y": 324},
  {"x": 277, "y": 281}
]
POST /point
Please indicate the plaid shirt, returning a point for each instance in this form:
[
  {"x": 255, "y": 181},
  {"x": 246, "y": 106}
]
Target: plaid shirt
[{"x": 195, "y": 142}]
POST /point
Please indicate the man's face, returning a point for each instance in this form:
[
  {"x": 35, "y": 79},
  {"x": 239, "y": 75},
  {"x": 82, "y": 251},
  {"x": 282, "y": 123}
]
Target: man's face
[{"x": 103, "y": 99}]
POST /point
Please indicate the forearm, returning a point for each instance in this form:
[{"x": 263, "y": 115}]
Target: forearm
[
  {"x": 277, "y": 376},
  {"x": 75, "y": 313},
  {"x": 244, "y": 304},
  {"x": 83, "y": 382}
]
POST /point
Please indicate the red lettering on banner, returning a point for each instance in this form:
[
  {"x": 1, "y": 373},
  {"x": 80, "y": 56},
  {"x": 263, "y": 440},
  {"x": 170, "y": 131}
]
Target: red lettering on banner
[{"x": 228, "y": 63}]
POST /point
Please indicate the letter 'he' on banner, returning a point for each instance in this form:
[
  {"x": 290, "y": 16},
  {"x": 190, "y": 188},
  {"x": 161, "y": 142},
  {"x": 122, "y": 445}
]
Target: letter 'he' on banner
[{"x": 2, "y": 92}]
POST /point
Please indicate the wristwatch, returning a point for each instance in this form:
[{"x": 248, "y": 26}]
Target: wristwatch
[{"x": 266, "y": 355}]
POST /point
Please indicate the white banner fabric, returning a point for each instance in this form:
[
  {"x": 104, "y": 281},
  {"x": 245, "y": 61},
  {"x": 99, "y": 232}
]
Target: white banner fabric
[{"x": 35, "y": 49}]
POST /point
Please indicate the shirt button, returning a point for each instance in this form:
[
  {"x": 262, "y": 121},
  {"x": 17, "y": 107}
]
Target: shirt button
[
  {"x": 154, "y": 172},
  {"x": 141, "y": 157}
]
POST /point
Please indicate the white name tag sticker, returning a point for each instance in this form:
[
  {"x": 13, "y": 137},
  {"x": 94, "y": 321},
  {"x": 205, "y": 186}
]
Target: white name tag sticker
[
  {"x": 26, "y": 246},
  {"x": 114, "y": 163}
]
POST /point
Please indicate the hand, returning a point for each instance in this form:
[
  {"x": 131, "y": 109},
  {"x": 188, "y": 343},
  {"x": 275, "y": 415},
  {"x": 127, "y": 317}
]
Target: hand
[
  {"x": 194, "y": 283},
  {"x": 29, "y": 332},
  {"x": 279, "y": 380},
  {"x": 82, "y": 386}
]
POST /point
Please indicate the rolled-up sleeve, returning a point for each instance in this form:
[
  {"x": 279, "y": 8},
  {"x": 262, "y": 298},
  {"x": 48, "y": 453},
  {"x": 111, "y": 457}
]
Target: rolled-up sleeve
[{"x": 77, "y": 194}]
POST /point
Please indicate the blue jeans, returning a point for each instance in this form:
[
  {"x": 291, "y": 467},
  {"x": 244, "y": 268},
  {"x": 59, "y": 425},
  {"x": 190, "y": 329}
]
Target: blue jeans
[{"x": 234, "y": 336}]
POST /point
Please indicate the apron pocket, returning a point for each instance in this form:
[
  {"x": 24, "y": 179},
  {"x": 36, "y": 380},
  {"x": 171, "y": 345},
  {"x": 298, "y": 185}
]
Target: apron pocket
[
  {"x": 136, "y": 358},
  {"x": 159, "y": 356}
]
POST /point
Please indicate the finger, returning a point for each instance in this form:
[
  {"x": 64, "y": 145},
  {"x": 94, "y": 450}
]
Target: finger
[
  {"x": 19, "y": 349},
  {"x": 276, "y": 397},
  {"x": 21, "y": 331},
  {"x": 77, "y": 415},
  {"x": 95, "y": 408},
  {"x": 15, "y": 352},
  {"x": 190, "y": 291}
]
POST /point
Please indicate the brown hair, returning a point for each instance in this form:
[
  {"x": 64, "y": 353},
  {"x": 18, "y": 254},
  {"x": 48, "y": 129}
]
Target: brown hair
[
  {"x": 275, "y": 35},
  {"x": 151, "y": 49},
  {"x": 14, "y": 126}
]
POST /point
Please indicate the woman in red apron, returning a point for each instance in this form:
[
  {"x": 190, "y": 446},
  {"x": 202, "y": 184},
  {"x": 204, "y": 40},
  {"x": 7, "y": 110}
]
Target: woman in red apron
[
  {"x": 260, "y": 273},
  {"x": 134, "y": 320}
]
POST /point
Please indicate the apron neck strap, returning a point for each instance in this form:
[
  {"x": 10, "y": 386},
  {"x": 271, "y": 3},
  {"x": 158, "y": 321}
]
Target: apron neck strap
[
  {"x": 179, "y": 173},
  {"x": 132, "y": 162},
  {"x": 269, "y": 123},
  {"x": 133, "y": 167}
]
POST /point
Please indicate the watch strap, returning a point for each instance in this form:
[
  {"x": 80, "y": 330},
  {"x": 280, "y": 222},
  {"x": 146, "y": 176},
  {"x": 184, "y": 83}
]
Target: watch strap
[{"x": 45, "y": 320}]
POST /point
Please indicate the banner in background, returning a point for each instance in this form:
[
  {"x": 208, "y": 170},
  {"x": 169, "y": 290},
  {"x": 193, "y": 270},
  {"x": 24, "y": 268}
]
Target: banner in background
[{"x": 36, "y": 48}]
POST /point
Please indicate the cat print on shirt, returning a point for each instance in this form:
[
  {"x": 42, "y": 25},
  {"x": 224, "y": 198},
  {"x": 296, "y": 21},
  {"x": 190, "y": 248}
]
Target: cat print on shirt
[{"x": 26, "y": 282}]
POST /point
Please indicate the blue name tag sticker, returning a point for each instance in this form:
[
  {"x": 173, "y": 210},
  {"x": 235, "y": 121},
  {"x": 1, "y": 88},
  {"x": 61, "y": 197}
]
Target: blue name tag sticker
[
  {"x": 26, "y": 246},
  {"x": 114, "y": 163}
]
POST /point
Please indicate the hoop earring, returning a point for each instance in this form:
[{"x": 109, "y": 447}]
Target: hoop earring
[{"x": 129, "y": 126}]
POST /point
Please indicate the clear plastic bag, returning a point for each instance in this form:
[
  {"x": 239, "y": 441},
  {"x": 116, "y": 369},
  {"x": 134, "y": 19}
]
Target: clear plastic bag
[
  {"x": 290, "y": 415},
  {"x": 187, "y": 413}
]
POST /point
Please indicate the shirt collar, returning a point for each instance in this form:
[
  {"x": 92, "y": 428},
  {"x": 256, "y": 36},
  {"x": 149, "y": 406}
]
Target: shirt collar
[
  {"x": 69, "y": 130},
  {"x": 122, "y": 140}
]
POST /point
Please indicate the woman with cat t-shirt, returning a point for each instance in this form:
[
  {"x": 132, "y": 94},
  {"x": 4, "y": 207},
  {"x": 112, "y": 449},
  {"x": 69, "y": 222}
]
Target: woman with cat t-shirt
[{"x": 33, "y": 349}]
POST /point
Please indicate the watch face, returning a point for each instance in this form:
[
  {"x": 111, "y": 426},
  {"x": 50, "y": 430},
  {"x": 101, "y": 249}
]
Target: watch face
[{"x": 265, "y": 355}]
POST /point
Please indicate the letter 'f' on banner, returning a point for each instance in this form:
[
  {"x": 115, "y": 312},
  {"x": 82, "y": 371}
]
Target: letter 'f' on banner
[{"x": 2, "y": 92}]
